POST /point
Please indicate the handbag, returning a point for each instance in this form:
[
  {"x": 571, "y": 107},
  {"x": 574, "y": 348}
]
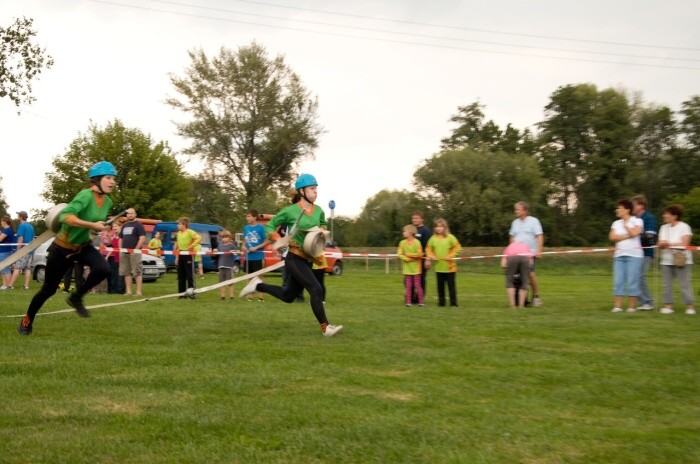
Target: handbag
[{"x": 679, "y": 258}]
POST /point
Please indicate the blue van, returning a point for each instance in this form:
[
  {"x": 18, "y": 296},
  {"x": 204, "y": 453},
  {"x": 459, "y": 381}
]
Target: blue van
[{"x": 210, "y": 240}]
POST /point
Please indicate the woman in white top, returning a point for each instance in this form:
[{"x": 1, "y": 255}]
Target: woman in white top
[
  {"x": 629, "y": 256},
  {"x": 675, "y": 233}
]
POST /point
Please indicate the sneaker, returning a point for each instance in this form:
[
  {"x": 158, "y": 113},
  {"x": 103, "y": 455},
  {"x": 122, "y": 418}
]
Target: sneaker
[
  {"x": 616, "y": 310},
  {"x": 5, "y": 287},
  {"x": 666, "y": 311},
  {"x": 645, "y": 307},
  {"x": 332, "y": 330},
  {"x": 25, "y": 326},
  {"x": 537, "y": 302},
  {"x": 421, "y": 305},
  {"x": 26, "y": 287},
  {"x": 76, "y": 302},
  {"x": 408, "y": 305},
  {"x": 690, "y": 311},
  {"x": 631, "y": 310},
  {"x": 250, "y": 288}
]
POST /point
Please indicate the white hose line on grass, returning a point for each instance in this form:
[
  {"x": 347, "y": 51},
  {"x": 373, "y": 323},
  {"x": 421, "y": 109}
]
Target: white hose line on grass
[{"x": 172, "y": 295}]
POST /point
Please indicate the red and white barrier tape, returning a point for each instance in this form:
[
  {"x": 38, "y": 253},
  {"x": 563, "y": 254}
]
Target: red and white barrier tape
[{"x": 338, "y": 255}]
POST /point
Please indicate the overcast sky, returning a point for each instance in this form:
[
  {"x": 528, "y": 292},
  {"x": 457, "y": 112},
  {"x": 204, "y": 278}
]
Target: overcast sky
[{"x": 388, "y": 74}]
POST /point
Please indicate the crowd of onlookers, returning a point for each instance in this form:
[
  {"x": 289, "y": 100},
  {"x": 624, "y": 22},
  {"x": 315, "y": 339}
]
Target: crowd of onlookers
[{"x": 635, "y": 233}]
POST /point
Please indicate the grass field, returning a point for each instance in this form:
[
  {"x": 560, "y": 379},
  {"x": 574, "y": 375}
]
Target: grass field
[{"x": 180, "y": 381}]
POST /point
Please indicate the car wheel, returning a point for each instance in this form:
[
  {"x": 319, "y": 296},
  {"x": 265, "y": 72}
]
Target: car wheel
[
  {"x": 337, "y": 268},
  {"x": 40, "y": 274}
]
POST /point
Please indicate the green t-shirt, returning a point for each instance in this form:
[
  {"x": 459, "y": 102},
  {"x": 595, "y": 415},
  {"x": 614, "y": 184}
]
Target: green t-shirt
[
  {"x": 288, "y": 216},
  {"x": 187, "y": 239},
  {"x": 443, "y": 249},
  {"x": 85, "y": 207},
  {"x": 406, "y": 252}
]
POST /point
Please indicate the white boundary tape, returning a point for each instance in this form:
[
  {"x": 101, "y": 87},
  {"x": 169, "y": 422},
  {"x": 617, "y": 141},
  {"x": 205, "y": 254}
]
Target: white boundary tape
[{"x": 172, "y": 295}]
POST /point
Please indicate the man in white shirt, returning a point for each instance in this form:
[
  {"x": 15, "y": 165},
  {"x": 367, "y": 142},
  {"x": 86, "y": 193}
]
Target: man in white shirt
[{"x": 528, "y": 230}]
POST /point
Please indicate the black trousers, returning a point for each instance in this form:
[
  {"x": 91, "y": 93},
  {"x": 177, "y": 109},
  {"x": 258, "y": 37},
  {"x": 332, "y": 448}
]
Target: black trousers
[
  {"x": 449, "y": 279},
  {"x": 301, "y": 277},
  {"x": 185, "y": 273},
  {"x": 58, "y": 261}
]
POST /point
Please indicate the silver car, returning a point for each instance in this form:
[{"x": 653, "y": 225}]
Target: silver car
[{"x": 153, "y": 266}]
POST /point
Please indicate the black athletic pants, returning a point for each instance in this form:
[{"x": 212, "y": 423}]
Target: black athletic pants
[
  {"x": 58, "y": 261},
  {"x": 301, "y": 277}
]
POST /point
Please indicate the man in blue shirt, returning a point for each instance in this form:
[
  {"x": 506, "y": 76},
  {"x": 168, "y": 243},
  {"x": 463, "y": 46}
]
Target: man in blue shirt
[
  {"x": 648, "y": 238},
  {"x": 254, "y": 242},
  {"x": 25, "y": 234},
  {"x": 528, "y": 230}
]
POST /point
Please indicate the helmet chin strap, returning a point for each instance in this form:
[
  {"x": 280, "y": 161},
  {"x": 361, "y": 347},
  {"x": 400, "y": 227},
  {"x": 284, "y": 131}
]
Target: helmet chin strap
[{"x": 98, "y": 184}]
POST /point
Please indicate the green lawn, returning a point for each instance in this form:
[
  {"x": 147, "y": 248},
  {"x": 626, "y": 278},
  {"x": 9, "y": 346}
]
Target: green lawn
[{"x": 246, "y": 382}]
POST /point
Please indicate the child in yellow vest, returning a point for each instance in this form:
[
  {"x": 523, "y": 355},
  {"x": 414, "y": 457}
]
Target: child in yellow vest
[
  {"x": 411, "y": 253},
  {"x": 442, "y": 248}
]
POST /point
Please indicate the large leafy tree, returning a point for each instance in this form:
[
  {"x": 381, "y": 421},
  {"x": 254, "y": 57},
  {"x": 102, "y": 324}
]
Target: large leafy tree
[
  {"x": 3, "y": 203},
  {"x": 21, "y": 61},
  {"x": 682, "y": 170},
  {"x": 586, "y": 155},
  {"x": 475, "y": 192},
  {"x": 383, "y": 217},
  {"x": 655, "y": 139},
  {"x": 252, "y": 120},
  {"x": 149, "y": 177},
  {"x": 473, "y": 131}
]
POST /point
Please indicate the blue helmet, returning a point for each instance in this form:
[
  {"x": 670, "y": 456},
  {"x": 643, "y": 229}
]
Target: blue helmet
[
  {"x": 102, "y": 168},
  {"x": 305, "y": 180}
]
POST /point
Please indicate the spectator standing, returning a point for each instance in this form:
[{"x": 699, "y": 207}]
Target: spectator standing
[
  {"x": 131, "y": 237},
  {"x": 186, "y": 240},
  {"x": 410, "y": 252},
  {"x": 225, "y": 262},
  {"x": 254, "y": 242},
  {"x": 198, "y": 257},
  {"x": 442, "y": 248},
  {"x": 528, "y": 230},
  {"x": 676, "y": 263},
  {"x": 516, "y": 260},
  {"x": 423, "y": 234},
  {"x": 628, "y": 258},
  {"x": 117, "y": 280},
  {"x": 648, "y": 240},
  {"x": 7, "y": 247},
  {"x": 156, "y": 244},
  {"x": 25, "y": 234}
]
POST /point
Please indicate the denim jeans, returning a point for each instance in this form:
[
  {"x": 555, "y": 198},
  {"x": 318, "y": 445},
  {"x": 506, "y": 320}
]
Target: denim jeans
[
  {"x": 645, "y": 296},
  {"x": 626, "y": 275}
]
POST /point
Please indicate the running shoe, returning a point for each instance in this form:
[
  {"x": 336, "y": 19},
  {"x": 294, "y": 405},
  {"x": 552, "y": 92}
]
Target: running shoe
[
  {"x": 332, "y": 330},
  {"x": 25, "y": 326},
  {"x": 76, "y": 302},
  {"x": 250, "y": 288}
]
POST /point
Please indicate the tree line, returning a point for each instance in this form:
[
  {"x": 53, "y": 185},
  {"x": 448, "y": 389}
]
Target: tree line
[
  {"x": 592, "y": 148},
  {"x": 250, "y": 121}
]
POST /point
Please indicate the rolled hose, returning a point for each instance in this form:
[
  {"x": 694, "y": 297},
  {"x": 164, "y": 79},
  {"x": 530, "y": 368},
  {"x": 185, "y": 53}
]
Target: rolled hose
[
  {"x": 314, "y": 242},
  {"x": 52, "y": 219}
]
